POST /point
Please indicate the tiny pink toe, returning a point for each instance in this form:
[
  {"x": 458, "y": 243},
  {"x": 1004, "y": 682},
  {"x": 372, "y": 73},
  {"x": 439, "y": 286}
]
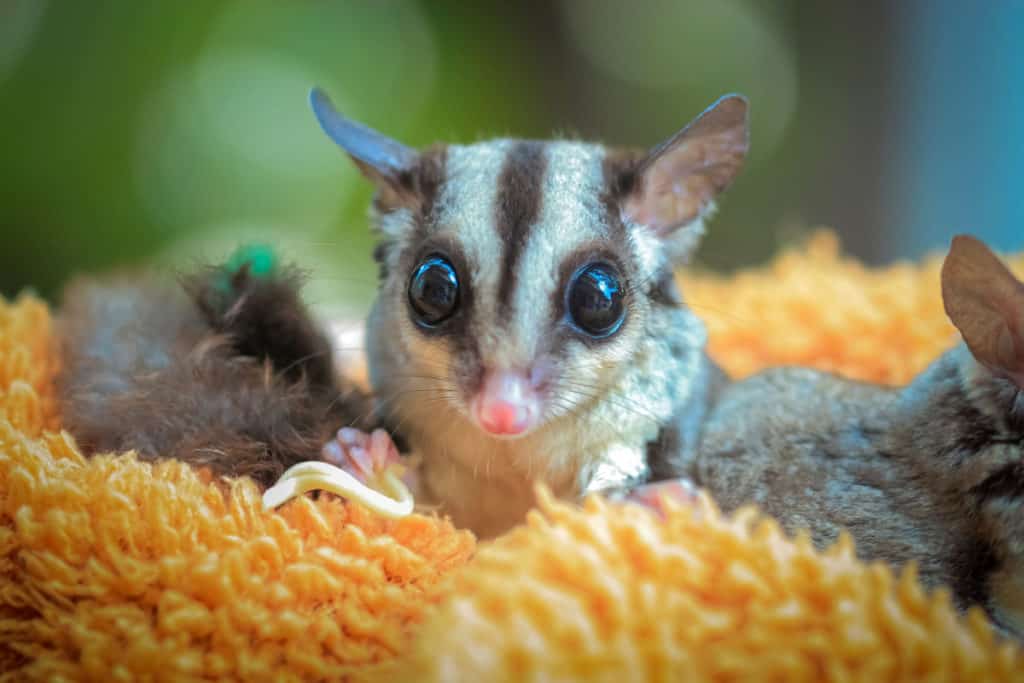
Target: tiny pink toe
[
  {"x": 654, "y": 495},
  {"x": 332, "y": 453},
  {"x": 351, "y": 437},
  {"x": 362, "y": 460},
  {"x": 382, "y": 449}
]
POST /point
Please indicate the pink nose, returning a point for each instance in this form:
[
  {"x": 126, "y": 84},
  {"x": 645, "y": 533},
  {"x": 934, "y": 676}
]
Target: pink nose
[{"x": 507, "y": 403}]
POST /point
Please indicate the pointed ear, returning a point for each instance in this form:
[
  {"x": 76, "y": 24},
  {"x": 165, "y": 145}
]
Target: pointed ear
[
  {"x": 985, "y": 302},
  {"x": 382, "y": 160},
  {"x": 677, "y": 183}
]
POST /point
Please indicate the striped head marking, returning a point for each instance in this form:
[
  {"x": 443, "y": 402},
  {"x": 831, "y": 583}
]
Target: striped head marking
[{"x": 519, "y": 277}]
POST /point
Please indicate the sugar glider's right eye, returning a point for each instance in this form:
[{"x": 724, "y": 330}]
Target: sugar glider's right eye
[{"x": 434, "y": 290}]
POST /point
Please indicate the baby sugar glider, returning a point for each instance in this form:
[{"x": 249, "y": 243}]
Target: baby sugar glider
[
  {"x": 225, "y": 369},
  {"x": 527, "y": 325},
  {"x": 931, "y": 473}
]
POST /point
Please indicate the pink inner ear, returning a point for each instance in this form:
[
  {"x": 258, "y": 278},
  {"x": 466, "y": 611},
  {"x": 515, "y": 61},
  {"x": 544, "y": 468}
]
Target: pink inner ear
[
  {"x": 682, "y": 177},
  {"x": 679, "y": 189}
]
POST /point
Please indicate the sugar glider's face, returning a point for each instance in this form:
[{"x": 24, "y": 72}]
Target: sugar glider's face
[{"x": 520, "y": 274}]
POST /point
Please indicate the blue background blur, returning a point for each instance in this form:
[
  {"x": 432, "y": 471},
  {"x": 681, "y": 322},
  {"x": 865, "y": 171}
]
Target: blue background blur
[{"x": 162, "y": 132}]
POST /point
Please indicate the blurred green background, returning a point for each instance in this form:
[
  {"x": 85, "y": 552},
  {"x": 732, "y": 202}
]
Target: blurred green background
[{"x": 164, "y": 132}]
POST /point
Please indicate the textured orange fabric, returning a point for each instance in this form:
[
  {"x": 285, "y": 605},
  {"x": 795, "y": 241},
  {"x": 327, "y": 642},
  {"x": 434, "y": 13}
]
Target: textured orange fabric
[
  {"x": 812, "y": 307},
  {"x": 112, "y": 569},
  {"x": 612, "y": 594}
]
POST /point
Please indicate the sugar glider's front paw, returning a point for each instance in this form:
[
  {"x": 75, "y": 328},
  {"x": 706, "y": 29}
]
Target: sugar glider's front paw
[
  {"x": 362, "y": 455},
  {"x": 654, "y": 495}
]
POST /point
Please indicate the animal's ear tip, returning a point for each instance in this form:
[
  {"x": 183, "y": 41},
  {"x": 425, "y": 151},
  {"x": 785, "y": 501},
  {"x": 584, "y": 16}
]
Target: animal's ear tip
[
  {"x": 739, "y": 99},
  {"x": 320, "y": 102},
  {"x": 964, "y": 246},
  {"x": 961, "y": 241},
  {"x": 733, "y": 103}
]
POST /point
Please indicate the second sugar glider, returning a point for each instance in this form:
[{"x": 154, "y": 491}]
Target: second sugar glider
[
  {"x": 527, "y": 324},
  {"x": 932, "y": 472},
  {"x": 225, "y": 368}
]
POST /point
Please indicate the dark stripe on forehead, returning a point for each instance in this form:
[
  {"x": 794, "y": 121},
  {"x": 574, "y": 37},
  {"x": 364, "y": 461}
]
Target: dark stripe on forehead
[{"x": 520, "y": 193}]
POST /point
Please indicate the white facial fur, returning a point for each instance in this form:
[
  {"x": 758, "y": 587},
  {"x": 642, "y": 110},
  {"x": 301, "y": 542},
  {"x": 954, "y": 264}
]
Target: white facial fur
[
  {"x": 571, "y": 216},
  {"x": 606, "y": 399}
]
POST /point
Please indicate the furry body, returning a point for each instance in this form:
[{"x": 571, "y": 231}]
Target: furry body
[
  {"x": 240, "y": 381},
  {"x": 931, "y": 473},
  {"x": 903, "y": 470}
]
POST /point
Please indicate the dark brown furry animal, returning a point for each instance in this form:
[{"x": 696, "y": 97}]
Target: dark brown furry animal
[{"x": 238, "y": 377}]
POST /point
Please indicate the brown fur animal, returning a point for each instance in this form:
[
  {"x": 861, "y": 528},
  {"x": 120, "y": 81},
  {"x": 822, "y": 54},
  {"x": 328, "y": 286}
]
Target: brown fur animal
[
  {"x": 931, "y": 473},
  {"x": 237, "y": 378}
]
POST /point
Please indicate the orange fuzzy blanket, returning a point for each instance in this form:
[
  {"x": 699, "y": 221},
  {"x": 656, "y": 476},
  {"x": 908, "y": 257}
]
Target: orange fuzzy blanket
[{"x": 112, "y": 569}]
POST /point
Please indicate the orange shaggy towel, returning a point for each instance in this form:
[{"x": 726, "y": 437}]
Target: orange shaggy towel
[{"x": 112, "y": 569}]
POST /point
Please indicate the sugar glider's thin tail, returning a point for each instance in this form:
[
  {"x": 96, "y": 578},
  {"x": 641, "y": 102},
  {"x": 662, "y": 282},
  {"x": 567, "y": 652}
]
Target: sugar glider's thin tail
[{"x": 226, "y": 369}]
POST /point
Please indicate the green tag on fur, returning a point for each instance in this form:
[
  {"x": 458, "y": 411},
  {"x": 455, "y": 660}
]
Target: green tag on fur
[{"x": 260, "y": 258}]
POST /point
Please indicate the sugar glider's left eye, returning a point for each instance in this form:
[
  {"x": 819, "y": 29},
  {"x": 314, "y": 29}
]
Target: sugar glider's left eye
[{"x": 595, "y": 300}]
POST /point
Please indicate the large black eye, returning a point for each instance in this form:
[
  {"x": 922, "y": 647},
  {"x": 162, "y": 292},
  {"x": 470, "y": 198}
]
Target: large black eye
[
  {"x": 596, "y": 300},
  {"x": 434, "y": 290}
]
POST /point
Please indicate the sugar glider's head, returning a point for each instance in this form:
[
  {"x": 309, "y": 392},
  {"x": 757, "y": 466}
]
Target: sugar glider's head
[{"x": 521, "y": 275}]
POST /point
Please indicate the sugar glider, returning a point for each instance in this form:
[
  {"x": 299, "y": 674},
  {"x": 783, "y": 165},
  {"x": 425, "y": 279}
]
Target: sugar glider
[
  {"x": 527, "y": 324},
  {"x": 931, "y": 473}
]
